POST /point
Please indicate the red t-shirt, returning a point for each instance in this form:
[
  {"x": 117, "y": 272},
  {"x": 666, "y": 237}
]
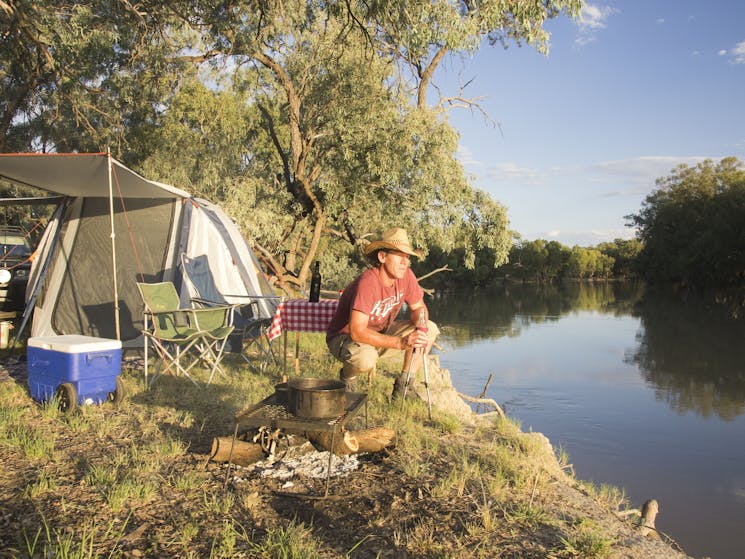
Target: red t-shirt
[{"x": 381, "y": 304}]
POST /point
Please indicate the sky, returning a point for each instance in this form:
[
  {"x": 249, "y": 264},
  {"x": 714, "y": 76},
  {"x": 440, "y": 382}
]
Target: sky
[{"x": 575, "y": 140}]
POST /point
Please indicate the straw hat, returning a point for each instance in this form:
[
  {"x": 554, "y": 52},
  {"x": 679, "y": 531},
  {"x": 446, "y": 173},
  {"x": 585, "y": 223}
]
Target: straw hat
[{"x": 393, "y": 239}]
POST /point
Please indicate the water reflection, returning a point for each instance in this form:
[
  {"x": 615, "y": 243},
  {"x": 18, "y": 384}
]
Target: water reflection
[
  {"x": 691, "y": 350},
  {"x": 478, "y": 315}
]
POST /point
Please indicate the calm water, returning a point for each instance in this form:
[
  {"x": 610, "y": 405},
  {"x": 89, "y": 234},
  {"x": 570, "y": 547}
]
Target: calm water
[{"x": 645, "y": 392}]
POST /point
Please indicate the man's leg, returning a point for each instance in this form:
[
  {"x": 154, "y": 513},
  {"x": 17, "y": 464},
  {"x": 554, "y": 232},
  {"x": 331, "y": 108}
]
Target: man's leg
[
  {"x": 358, "y": 360},
  {"x": 411, "y": 359}
]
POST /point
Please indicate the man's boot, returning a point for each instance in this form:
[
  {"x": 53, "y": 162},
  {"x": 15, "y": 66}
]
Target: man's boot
[
  {"x": 399, "y": 387},
  {"x": 350, "y": 377},
  {"x": 350, "y": 382}
]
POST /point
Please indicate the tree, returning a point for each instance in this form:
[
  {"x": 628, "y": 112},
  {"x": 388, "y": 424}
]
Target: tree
[
  {"x": 331, "y": 136},
  {"x": 691, "y": 226},
  {"x": 83, "y": 75},
  {"x": 420, "y": 34},
  {"x": 624, "y": 253}
]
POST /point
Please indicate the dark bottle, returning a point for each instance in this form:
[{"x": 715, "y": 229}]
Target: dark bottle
[{"x": 315, "y": 284}]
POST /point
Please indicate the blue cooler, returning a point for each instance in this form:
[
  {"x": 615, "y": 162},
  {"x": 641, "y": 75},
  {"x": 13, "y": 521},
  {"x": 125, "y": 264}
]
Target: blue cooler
[{"x": 90, "y": 364}]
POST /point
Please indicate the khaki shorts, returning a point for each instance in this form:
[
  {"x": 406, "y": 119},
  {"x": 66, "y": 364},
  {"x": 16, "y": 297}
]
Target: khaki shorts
[{"x": 362, "y": 358}]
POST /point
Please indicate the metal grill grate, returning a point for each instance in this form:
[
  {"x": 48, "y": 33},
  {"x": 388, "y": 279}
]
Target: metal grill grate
[{"x": 269, "y": 413}]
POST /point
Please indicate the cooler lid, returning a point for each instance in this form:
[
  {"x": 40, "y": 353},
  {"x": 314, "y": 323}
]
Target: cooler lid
[{"x": 74, "y": 343}]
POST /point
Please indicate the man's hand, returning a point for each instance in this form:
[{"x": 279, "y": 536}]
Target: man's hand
[{"x": 416, "y": 339}]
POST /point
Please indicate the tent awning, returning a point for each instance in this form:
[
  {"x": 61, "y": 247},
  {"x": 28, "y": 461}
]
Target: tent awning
[{"x": 81, "y": 174}]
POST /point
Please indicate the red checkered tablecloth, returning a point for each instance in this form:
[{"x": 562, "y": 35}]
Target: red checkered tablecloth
[{"x": 300, "y": 315}]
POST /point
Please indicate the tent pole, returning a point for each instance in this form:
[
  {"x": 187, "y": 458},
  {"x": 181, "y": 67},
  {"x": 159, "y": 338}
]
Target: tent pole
[{"x": 113, "y": 248}]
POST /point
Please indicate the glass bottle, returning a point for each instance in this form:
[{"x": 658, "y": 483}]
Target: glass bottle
[{"x": 315, "y": 283}]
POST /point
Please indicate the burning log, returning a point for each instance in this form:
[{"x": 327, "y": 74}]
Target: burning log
[
  {"x": 244, "y": 453},
  {"x": 344, "y": 443},
  {"x": 374, "y": 440},
  {"x": 352, "y": 442}
]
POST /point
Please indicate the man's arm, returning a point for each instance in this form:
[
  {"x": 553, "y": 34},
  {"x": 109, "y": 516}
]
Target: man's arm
[
  {"x": 360, "y": 333},
  {"x": 416, "y": 310}
]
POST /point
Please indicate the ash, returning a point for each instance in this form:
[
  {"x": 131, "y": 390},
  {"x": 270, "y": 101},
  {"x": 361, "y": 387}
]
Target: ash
[{"x": 302, "y": 461}]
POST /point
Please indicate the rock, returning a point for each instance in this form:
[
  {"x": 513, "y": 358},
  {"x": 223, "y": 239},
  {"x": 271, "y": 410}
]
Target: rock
[{"x": 442, "y": 394}]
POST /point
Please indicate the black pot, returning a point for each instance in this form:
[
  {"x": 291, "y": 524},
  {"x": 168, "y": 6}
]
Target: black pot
[
  {"x": 316, "y": 398},
  {"x": 280, "y": 393}
]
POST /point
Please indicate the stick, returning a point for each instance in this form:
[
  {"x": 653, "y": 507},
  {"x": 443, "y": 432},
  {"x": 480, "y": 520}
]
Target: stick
[
  {"x": 406, "y": 384},
  {"x": 483, "y": 392},
  {"x": 426, "y": 383},
  {"x": 484, "y": 401}
]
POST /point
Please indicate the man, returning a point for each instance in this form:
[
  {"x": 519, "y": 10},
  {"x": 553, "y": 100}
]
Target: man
[{"x": 365, "y": 328}]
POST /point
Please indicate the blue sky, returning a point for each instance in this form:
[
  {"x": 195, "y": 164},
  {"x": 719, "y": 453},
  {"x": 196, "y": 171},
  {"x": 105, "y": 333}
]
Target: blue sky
[{"x": 625, "y": 95}]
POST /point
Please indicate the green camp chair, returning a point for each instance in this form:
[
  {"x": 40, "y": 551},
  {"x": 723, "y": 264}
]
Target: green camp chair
[
  {"x": 252, "y": 318},
  {"x": 175, "y": 332}
]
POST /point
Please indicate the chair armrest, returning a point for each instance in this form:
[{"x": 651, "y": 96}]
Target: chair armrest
[
  {"x": 181, "y": 317},
  {"x": 209, "y": 318},
  {"x": 207, "y": 303}
]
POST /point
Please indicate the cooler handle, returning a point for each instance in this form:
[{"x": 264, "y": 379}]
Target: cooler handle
[{"x": 107, "y": 356}]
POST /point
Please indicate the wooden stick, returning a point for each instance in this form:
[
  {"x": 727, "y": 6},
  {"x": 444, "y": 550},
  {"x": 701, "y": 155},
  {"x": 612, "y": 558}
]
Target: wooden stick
[{"x": 484, "y": 401}]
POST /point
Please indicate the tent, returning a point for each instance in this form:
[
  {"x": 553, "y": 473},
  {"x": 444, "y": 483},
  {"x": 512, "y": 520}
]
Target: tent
[{"x": 114, "y": 228}]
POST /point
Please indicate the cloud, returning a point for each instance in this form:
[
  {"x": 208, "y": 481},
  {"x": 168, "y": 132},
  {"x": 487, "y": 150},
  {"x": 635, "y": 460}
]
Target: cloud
[
  {"x": 593, "y": 17},
  {"x": 639, "y": 171},
  {"x": 583, "y": 237},
  {"x": 466, "y": 157},
  {"x": 635, "y": 171},
  {"x": 737, "y": 54},
  {"x": 509, "y": 172}
]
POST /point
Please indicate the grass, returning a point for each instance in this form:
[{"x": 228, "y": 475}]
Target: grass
[
  {"x": 610, "y": 496},
  {"x": 88, "y": 479},
  {"x": 293, "y": 541},
  {"x": 586, "y": 542}
]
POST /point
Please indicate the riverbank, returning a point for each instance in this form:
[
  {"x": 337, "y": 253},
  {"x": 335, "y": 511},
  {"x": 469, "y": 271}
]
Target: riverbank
[{"x": 136, "y": 481}]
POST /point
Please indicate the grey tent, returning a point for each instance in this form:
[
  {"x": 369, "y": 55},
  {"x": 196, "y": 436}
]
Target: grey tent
[{"x": 114, "y": 228}]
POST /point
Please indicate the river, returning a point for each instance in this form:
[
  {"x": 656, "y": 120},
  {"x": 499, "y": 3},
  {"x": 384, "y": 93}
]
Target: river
[{"x": 644, "y": 391}]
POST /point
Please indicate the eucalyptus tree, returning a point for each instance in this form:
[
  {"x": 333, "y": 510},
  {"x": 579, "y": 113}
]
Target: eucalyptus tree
[
  {"x": 691, "y": 226},
  {"x": 341, "y": 91},
  {"x": 315, "y": 122},
  {"x": 81, "y": 75},
  {"x": 420, "y": 34}
]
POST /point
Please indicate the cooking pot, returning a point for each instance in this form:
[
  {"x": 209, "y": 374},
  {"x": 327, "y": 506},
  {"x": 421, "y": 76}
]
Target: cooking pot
[
  {"x": 280, "y": 393},
  {"x": 316, "y": 398}
]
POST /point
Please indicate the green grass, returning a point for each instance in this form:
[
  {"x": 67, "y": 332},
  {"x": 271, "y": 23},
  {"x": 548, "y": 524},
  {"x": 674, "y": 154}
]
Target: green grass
[
  {"x": 586, "y": 542},
  {"x": 103, "y": 467},
  {"x": 292, "y": 541}
]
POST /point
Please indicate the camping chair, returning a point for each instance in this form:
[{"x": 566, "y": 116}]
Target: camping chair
[
  {"x": 255, "y": 337},
  {"x": 252, "y": 318},
  {"x": 176, "y": 332}
]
